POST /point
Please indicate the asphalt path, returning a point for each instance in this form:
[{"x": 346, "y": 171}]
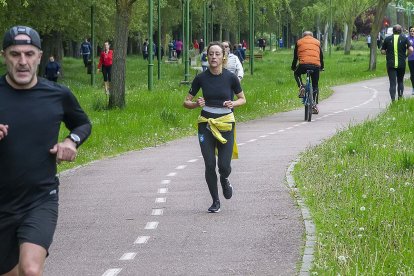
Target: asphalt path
[{"x": 145, "y": 212}]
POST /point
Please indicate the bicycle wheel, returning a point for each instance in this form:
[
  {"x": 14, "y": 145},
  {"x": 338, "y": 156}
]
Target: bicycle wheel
[{"x": 309, "y": 103}]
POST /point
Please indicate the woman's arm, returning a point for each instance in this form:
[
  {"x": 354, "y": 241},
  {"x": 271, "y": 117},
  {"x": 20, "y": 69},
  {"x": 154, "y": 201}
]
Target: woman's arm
[
  {"x": 190, "y": 104},
  {"x": 241, "y": 100}
]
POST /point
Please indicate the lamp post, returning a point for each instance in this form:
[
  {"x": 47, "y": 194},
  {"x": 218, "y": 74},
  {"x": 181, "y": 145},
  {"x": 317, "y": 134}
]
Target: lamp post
[
  {"x": 159, "y": 40},
  {"x": 330, "y": 28},
  {"x": 211, "y": 7},
  {"x": 150, "y": 44},
  {"x": 93, "y": 45},
  {"x": 187, "y": 41},
  {"x": 251, "y": 35},
  {"x": 205, "y": 24},
  {"x": 263, "y": 10}
]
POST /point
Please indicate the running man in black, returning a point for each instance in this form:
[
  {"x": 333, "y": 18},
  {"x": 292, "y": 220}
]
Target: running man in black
[
  {"x": 216, "y": 122},
  {"x": 396, "y": 47},
  {"x": 31, "y": 112}
]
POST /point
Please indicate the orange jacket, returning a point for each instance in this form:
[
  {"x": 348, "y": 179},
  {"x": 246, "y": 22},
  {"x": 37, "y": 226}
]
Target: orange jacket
[{"x": 309, "y": 50}]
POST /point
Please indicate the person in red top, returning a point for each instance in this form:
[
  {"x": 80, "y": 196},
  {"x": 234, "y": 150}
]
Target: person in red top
[
  {"x": 105, "y": 62},
  {"x": 196, "y": 46}
]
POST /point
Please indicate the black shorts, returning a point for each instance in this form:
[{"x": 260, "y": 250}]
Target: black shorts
[{"x": 36, "y": 226}]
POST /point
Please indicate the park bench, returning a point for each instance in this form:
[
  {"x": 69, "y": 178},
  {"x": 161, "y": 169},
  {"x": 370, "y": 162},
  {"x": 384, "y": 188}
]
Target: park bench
[{"x": 256, "y": 56}]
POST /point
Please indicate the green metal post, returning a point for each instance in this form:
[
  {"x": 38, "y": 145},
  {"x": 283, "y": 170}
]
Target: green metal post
[
  {"x": 150, "y": 44},
  {"x": 251, "y": 35},
  {"x": 205, "y": 24},
  {"x": 183, "y": 27},
  {"x": 93, "y": 45},
  {"x": 159, "y": 40},
  {"x": 330, "y": 28},
  {"x": 211, "y": 22},
  {"x": 187, "y": 41}
]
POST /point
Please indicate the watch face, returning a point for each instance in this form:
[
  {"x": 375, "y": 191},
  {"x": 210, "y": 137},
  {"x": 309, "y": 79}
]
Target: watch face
[{"x": 75, "y": 138}]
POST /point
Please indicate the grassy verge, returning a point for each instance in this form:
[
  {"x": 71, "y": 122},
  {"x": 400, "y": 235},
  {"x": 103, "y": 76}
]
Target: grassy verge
[{"x": 359, "y": 187}]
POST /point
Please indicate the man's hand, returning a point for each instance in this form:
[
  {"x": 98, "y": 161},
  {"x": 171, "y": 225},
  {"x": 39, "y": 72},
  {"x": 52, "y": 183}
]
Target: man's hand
[
  {"x": 65, "y": 151},
  {"x": 3, "y": 131}
]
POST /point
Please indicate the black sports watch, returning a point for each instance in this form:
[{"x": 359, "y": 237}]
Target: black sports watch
[{"x": 75, "y": 138}]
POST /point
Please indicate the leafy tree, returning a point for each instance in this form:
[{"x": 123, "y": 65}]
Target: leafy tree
[
  {"x": 380, "y": 9},
  {"x": 122, "y": 20},
  {"x": 349, "y": 11}
]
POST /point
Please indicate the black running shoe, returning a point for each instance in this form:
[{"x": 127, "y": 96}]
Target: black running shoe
[
  {"x": 227, "y": 188},
  {"x": 215, "y": 207}
]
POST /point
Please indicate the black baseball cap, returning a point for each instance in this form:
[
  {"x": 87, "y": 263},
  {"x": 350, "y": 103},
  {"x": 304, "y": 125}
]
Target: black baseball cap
[{"x": 9, "y": 37}]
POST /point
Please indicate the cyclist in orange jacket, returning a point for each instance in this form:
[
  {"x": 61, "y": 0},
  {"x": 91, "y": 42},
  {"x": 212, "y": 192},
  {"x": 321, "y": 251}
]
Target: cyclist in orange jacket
[{"x": 309, "y": 53}]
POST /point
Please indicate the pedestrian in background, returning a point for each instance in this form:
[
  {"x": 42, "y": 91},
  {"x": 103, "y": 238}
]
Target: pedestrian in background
[
  {"x": 395, "y": 57},
  {"x": 105, "y": 62},
  {"x": 52, "y": 70},
  {"x": 411, "y": 58},
  {"x": 232, "y": 63},
  {"x": 218, "y": 89},
  {"x": 85, "y": 51},
  {"x": 201, "y": 45},
  {"x": 31, "y": 112}
]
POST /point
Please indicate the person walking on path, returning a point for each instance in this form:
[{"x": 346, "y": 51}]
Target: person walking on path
[
  {"x": 396, "y": 47},
  {"x": 411, "y": 58},
  {"x": 310, "y": 56},
  {"x": 233, "y": 63},
  {"x": 52, "y": 70},
  {"x": 85, "y": 51},
  {"x": 105, "y": 62},
  {"x": 204, "y": 60},
  {"x": 196, "y": 46},
  {"x": 179, "y": 48},
  {"x": 31, "y": 112},
  {"x": 216, "y": 124},
  {"x": 201, "y": 45}
]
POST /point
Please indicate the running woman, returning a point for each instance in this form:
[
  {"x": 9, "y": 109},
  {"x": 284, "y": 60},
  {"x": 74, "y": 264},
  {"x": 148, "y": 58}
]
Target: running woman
[{"x": 216, "y": 123}]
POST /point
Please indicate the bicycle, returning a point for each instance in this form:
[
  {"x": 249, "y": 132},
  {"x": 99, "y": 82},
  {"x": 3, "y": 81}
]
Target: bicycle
[{"x": 308, "y": 99}]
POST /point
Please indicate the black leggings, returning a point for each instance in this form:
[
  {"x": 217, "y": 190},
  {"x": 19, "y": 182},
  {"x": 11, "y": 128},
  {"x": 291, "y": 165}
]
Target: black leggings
[
  {"x": 106, "y": 71},
  {"x": 411, "y": 66},
  {"x": 396, "y": 77},
  {"x": 208, "y": 144},
  {"x": 302, "y": 68}
]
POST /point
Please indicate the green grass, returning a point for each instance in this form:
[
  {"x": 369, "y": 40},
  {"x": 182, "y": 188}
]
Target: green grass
[{"x": 360, "y": 190}]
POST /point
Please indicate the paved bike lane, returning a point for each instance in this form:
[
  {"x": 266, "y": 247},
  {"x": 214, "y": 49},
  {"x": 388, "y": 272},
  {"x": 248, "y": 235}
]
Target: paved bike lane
[{"x": 145, "y": 212}]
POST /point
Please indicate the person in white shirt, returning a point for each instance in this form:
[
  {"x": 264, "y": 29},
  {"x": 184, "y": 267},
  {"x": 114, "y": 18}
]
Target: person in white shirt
[{"x": 233, "y": 63}]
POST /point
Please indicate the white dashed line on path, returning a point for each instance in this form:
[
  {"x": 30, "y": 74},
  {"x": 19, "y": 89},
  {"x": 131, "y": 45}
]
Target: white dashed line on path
[
  {"x": 163, "y": 190},
  {"x": 181, "y": 167},
  {"x": 160, "y": 200},
  {"x": 172, "y": 174},
  {"x": 128, "y": 256},
  {"x": 165, "y": 181},
  {"x": 157, "y": 212},
  {"x": 112, "y": 272},
  {"x": 151, "y": 225},
  {"x": 142, "y": 239}
]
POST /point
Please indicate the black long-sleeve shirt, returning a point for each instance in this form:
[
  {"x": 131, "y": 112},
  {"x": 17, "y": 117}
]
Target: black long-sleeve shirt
[{"x": 34, "y": 116}]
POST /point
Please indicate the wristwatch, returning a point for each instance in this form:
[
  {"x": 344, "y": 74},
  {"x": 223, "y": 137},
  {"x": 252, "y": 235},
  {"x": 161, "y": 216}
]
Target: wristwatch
[{"x": 75, "y": 138}]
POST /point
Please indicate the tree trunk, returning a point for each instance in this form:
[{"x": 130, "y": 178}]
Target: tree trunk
[
  {"x": 380, "y": 10},
  {"x": 348, "y": 41},
  {"x": 122, "y": 18},
  {"x": 326, "y": 38}
]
